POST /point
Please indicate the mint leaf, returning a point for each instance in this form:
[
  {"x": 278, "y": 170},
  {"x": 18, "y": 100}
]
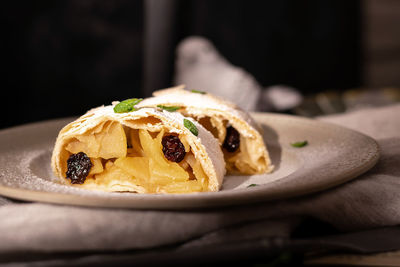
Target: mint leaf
[
  {"x": 300, "y": 144},
  {"x": 169, "y": 108},
  {"x": 198, "y": 92},
  {"x": 189, "y": 125},
  {"x": 127, "y": 105},
  {"x": 251, "y": 185}
]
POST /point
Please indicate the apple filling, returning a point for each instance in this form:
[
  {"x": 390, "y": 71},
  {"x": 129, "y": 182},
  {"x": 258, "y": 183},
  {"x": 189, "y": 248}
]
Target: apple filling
[
  {"x": 241, "y": 154},
  {"x": 123, "y": 158}
]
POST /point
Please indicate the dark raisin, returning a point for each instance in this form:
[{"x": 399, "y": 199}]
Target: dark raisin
[
  {"x": 173, "y": 148},
  {"x": 232, "y": 139},
  {"x": 79, "y": 166}
]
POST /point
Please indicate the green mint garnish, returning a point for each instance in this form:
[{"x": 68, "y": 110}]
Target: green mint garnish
[
  {"x": 127, "y": 105},
  {"x": 169, "y": 108},
  {"x": 300, "y": 144},
  {"x": 188, "y": 124},
  {"x": 198, "y": 92},
  {"x": 251, "y": 185}
]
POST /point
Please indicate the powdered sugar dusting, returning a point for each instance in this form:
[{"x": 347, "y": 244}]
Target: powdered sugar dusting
[
  {"x": 33, "y": 172},
  {"x": 197, "y": 104}
]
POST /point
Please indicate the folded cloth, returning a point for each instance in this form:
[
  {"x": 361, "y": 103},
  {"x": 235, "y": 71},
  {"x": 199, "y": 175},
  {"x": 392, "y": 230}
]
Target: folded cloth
[
  {"x": 199, "y": 65},
  {"x": 370, "y": 201}
]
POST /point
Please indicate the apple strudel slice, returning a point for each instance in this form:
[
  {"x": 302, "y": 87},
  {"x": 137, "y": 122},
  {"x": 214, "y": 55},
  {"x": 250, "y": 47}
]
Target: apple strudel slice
[{"x": 121, "y": 148}]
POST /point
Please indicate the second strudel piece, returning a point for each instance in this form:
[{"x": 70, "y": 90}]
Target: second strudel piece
[{"x": 238, "y": 134}]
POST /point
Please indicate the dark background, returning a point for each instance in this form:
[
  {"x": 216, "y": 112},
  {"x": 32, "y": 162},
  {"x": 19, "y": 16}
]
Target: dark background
[{"x": 61, "y": 58}]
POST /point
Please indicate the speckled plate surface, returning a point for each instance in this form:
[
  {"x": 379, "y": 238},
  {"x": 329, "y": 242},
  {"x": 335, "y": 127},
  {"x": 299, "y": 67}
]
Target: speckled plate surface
[{"x": 333, "y": 156}]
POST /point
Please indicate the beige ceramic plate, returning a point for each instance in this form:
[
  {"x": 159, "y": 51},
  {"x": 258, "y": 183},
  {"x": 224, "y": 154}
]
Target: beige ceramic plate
[{"x": 333, "y": 156}]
